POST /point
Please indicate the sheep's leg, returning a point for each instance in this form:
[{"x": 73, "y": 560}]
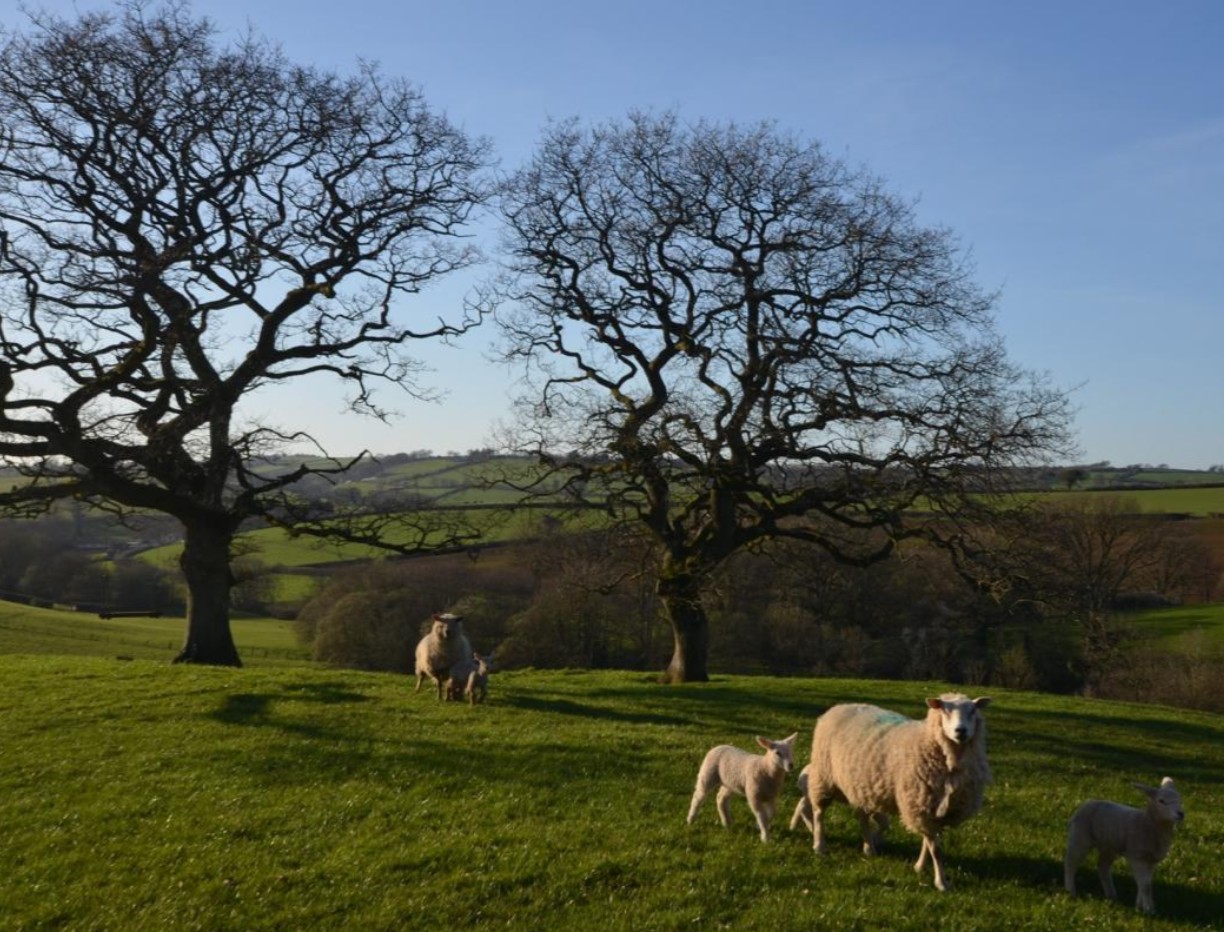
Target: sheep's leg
[
  {"x": 1077, "y": 850},
  {"x": 1142, "y": 872},
  {"x": 724, "y": 805},
  {"x": 865, "y": 826},
  {"x": 803, "y": 811},
  {"x": 420, "y": 677},
  {"x": 1105, "y": 872},
  {"x": 930, "y": 845},
  {"x": 699, "y": 794},
  {"x": 764, "y": 811},
  {"x": 818, "y": 808}
]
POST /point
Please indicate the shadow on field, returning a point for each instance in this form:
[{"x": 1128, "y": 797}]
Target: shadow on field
[
  {"x": 1102, "y": 740},
  {"x": 566, "y": 707},
  {"x": 253, "y": 708}
]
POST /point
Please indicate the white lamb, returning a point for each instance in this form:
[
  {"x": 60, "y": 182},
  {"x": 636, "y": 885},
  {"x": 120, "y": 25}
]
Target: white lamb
[
  {"x": 1142, "y": 836},
  {"x": 442, "y": 648},
  {"x": 803, "y": 808},
  {"x": 756, "y": 777},
  {"x": 470, "y": 679},
  {"x": 931, "y": 772}
]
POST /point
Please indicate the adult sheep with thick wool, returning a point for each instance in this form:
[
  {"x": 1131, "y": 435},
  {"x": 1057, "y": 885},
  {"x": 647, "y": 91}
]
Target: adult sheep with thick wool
[
  {"x": 930, "y": 772},
  {"x": 444, "y": 647}
]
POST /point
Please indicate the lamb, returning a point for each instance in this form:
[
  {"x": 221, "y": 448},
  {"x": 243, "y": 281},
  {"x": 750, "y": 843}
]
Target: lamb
[
  {"x": 470, "y": 679},
  {"x": 757, "y": 777},
  {"x": 442, "y": 648},
  {"x": 932, "y": 772},
  {"x": 1142, "y": 836},
  {"x": 803, "y": 808}
]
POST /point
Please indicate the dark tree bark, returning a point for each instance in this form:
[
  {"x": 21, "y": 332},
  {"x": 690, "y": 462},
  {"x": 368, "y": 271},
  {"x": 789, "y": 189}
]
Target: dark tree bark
[
  {"x": 731, "y": 337},
  {"x": 182, "y": 224},
  {"x": 680, "y": 596},
  {"x": 205, "y": 562}
]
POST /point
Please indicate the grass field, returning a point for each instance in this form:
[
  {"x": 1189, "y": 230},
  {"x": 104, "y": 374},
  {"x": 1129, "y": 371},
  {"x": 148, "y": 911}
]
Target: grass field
[
  {"x": 28, "y": 630},
  {"x": 1185, "y": 629},
  {"x": 136, "y": 795}
]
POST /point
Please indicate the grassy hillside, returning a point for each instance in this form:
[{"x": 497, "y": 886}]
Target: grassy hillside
[
  {"x": 25, "y": 629},
  {"x": 142, "y": 796}
]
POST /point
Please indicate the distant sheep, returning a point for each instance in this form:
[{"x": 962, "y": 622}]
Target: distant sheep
[
  {"x": 756, "y": 777},
  {"x": 441, "y": 649},
  {"x": 470, "y": 679},
  {"x": 931, "y": 772},
  {"x": 1142, "y": 836}
]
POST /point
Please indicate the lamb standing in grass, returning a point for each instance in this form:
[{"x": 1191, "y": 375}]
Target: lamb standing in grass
[
  {"x": 756, "y": 777},
  {"x": 1142, "y": 836},
  {"x": 931, "y": 772},
  {"x": 470, "y": 679},
  {"x": 803, "y": 808},
  {"x": 442, "y": 648}
]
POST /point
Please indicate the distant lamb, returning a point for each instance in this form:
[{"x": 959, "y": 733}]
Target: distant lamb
[
  {"x": 442, "y": 648},
  {"x": 1142, "y": 836},
  {"x": 470, "y": 679},
  {"x": 931, "y": 772},
  {"x": 756, "y": 777}
]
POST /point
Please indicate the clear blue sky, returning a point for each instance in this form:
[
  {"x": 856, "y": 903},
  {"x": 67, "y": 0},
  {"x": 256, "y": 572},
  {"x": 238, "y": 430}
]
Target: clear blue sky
[{"x": 1076, "y": 147}]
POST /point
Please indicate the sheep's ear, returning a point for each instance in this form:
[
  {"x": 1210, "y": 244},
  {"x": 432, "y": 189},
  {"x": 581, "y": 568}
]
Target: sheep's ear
[
  {"x": 934, "y": 703},
  {"x": 764, "y": 742},
  {"x": 982, "y": 701},
  {"x": 1148, "y": 791},
  {"x": 1167, "y": 781},
  {"x": 791, "y": 739}
]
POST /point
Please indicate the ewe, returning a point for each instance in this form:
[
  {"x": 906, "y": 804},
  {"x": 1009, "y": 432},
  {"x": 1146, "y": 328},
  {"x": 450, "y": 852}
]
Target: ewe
[
  {"x": 757, "y": 777},
  {"x": 1142, "y": 836},
  {"x": 442, "y": 648},
  {"x": 932, "y": 773}
]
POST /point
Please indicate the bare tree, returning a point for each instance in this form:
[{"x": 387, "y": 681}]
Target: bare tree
[
  {"x": 742, "y": 338},
  {"x": 184, "y": 223}
]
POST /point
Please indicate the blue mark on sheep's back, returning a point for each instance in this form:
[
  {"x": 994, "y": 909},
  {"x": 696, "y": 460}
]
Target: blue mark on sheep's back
[{"x": 883, "y": 718}]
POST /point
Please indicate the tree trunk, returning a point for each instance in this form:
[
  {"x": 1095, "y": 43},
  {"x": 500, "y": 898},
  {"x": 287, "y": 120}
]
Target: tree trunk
[
  {"x": 206, "y": 566},
  {"x": 681, "y": 598}
]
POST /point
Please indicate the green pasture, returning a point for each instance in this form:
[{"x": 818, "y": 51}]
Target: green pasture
[
  {"x": 140, "y": 796},
  {"x": 276, "y": 547},
  {"x": 1187, "y": 629},
  {"x": 25, "y": 629},
  {"x": 1198, "y": 502}
]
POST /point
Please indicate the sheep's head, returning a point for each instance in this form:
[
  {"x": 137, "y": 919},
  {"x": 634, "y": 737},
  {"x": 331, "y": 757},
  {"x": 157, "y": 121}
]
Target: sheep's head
[
  {"x": 1164, "y": 802},
  {"x": 960, "y": 716},
  {"x": 445, "y": 625},
  {"x": 782, "y": 751}
]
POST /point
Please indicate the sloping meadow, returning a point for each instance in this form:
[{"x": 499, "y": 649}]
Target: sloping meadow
[{"x": 135, "y": 795}]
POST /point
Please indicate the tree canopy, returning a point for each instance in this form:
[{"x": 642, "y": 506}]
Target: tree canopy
[
  {"x": 737, "y": 338},
  {"x": 182, "y": 223}
]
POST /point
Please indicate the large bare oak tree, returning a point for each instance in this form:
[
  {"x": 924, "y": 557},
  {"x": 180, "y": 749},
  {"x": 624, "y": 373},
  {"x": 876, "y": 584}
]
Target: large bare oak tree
[
  {"x": 731, "y": 337},
  {"x": 183, "y": 223}
]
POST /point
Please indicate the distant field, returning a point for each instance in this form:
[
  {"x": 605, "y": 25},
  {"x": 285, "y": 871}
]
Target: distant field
[
  {"x": 1198, "y": 502},
  {"x": 1192, "y": 629},
  {"x": 28, "y": 630}
]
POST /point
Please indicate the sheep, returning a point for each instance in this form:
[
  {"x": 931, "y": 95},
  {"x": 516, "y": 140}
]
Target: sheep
[
  {"x": 930, "y": 772},
  {"x": 803, "y": 808},
  {"x": 754, "y": 776},
  {"x": 470, "y": 679},
  {"x": 442, "y": 648},
  {"x": 1142, "y": 836}
]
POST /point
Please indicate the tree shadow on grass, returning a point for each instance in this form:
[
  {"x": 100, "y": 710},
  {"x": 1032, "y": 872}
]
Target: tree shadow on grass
[
  {"x": 568, "y": 707},
  {"x": 249, "y": 708}
]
